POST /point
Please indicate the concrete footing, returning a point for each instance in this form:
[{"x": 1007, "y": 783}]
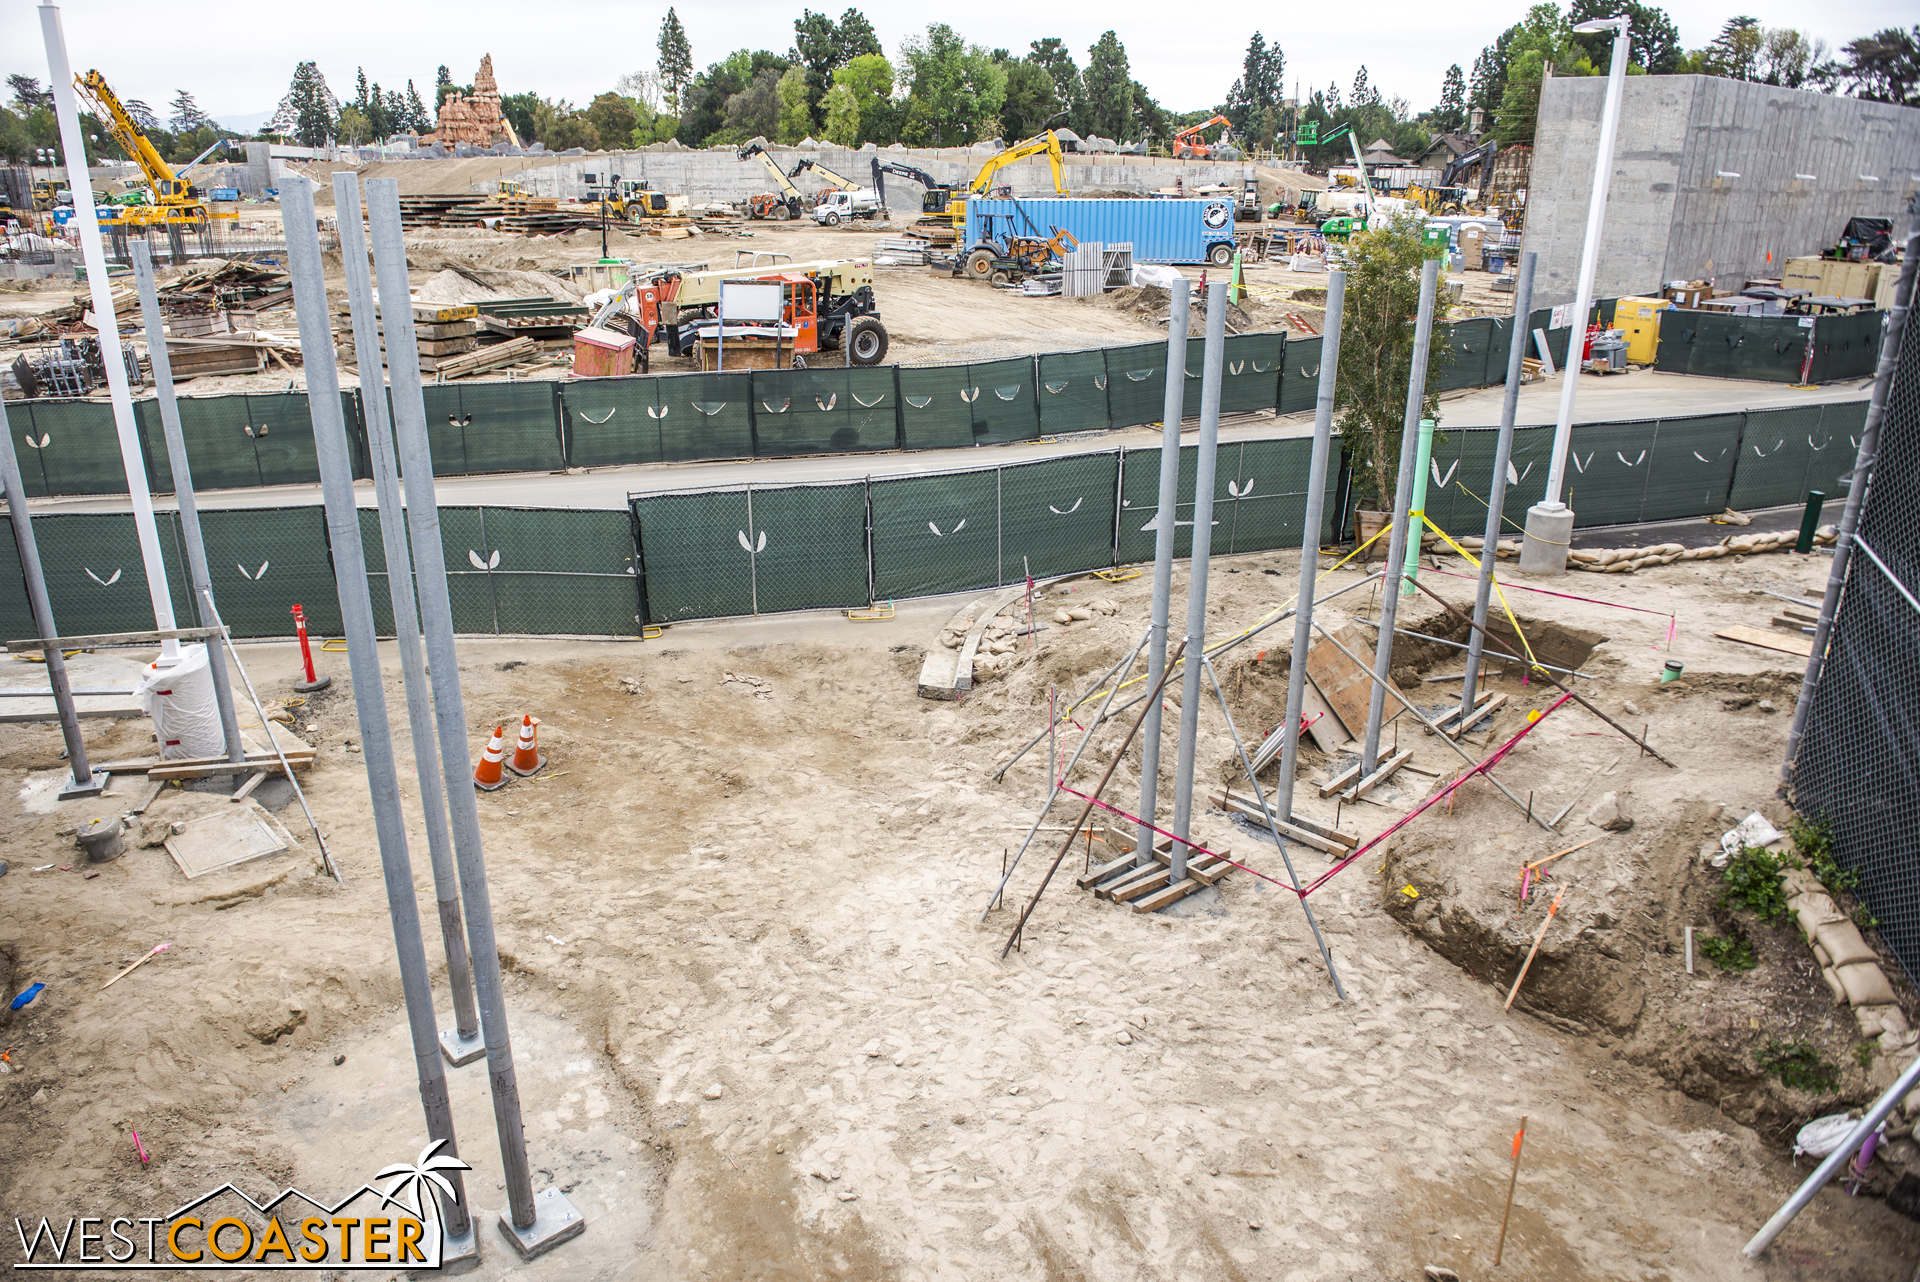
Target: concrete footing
[
  {"x": 555, "y": 1220},
  {"x": 1549, "y": 534}
]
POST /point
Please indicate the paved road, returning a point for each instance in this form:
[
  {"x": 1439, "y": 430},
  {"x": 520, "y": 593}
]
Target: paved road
[{"x": 1644, "y": 394}]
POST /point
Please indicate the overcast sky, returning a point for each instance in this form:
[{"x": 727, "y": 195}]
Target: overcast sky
[{"x": 237, "y": 62}]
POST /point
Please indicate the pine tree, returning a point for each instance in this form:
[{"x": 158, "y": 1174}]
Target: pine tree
[
  {"x": 1258, "y": 89},
  {"x": 186, "y": 114},
  {"x": 442, "y": 86},
  {"x": 676, "y": 60},
  {"x": 418, "y": 121},
  {"x": 1109, "y": 89},
  {"x": 360, "y": 90},
  {"x": 1451, "y": 115},
  {"x": 309, "y": 111}
]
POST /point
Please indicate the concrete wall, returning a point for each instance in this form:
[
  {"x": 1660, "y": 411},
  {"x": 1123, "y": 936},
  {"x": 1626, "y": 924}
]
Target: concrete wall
[
  {"x": 1672, "y": 215},
  {"x": 720, "y": 175}
]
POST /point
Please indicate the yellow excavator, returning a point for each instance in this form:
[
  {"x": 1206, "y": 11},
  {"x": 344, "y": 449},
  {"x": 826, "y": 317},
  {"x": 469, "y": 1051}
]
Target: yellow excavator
[
  {"x": 174, "y": 201},
  {"x": 982, "y": 185}
]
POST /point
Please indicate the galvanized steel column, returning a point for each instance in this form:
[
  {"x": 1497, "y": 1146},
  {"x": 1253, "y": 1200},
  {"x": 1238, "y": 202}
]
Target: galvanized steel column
[
  {"x": 1165, "y": 527},
  {"x": 1197, "y": 569}
]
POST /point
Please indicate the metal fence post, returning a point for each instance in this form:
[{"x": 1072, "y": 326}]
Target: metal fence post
[
  {"x": 1403, "y": 496},
  {"x": 363, "y": 660},
  {"x": 198, "y": 578},
  {"x": 1497, "y": 489},
  {"x": 1197, "y": 570},
  {"x": 462, "y": 1044},
  {"x": 1310, "y": 538},
  {"x": 533, "y": 1224},
  {"x": 1165, "y": 526}
]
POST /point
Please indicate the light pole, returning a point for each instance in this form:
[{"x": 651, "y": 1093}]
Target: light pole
[{"x": 1550, "y": 522}]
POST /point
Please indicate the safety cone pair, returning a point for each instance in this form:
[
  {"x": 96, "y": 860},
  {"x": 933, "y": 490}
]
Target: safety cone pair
[{"x": 488, "y": 775}]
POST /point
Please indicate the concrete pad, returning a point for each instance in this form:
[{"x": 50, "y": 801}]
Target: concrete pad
[{"x": 86, "y": 671}]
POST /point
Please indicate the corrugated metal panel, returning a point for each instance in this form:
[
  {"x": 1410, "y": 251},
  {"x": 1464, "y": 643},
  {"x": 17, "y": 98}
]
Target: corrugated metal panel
[{"x": 1161, "y": 231}]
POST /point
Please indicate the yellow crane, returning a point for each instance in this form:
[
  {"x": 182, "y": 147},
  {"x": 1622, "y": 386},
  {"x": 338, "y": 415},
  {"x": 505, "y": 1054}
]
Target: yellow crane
[
  {"x": 174, "y": 200},
  {"x": 1042, "y": 143}
]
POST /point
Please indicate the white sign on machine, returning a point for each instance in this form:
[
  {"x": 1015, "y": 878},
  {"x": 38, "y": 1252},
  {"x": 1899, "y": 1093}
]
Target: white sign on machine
[{"x": 745, "y": 300}]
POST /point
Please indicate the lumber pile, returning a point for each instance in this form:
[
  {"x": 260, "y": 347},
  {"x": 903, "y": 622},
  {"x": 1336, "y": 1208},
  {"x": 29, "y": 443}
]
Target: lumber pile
[
  {"x": 514, "y": 352},
  {"x": 252, "y": 286}
]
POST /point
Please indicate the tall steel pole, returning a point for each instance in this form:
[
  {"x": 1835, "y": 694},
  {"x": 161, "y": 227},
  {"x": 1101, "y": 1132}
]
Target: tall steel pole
[
  {"x": 1497, "y": 487},
  {"x": 1402, "y": 501},
  {"x": 1165, "y": 528},
  {"x": 1196, "y": 640},
  {"x": 462, "y": 1044},
  {"x": 198, "y": 576},
  {"x": 533, "y": 1224},
  {"x": 73, "y": 144},
  {"x": 85, "y": 781},
  {"x": 363, "y": 660},
  {"x": 1549, "y": 522},
  {"x": 1310, "y": 536},
  {"x": 1863, "y": 463}
]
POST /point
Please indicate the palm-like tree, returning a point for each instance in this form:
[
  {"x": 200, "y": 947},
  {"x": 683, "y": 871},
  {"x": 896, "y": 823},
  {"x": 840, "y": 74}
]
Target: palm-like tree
[{"x": 416, "y": 1176}]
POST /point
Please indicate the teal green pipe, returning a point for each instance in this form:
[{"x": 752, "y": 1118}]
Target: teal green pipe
[{"x": 1421, "y": 465}]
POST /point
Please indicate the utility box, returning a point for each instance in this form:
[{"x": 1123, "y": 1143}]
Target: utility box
[
  {"x": 601, "y": 353},
  {"x": 1638, "y": 320}
]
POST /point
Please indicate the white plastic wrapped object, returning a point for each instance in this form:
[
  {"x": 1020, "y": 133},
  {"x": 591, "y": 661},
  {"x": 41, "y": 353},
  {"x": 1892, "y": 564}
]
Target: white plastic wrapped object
[
  {"x": 180, "y": 700},
  {"x": 1754, "y": 830},
  {"x": 1155, "y": 274},
  {"x": 1822, "y": 1135}
]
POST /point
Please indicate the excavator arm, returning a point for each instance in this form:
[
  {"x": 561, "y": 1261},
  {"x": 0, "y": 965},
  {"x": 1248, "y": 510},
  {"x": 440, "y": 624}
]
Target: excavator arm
[
  {"x": 911, "y": 174},
  {"x": 1046, "y": 142}
]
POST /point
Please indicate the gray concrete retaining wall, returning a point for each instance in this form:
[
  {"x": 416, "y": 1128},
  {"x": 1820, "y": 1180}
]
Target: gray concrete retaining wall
[{"x": 1806, "y": 162}]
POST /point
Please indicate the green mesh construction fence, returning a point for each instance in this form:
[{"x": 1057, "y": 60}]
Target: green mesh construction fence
[
  {"x": 1300, "y": 380},
  {"x": 1847, "y": 346},
  {"x": 67, "y": 447},
  {"x": 263, "y": 561},
  {"x": 1073, "y": 392},
  {"x": 937, "y": 533},
  {"x": 549, "y": 571},
  {"x": 1136, "y": 383},
  {"x": 610, "y": 421},
  {"x": 493, "y": 427},
  {"x": 705, "y": 415},
  {"x": 823, "y": 411},
  {"x": 96, "y": 581},
  {"x": 1832, "y": 454},
  {"x": 1259, "y": 498},
  {"x": 1469, "y": 343},
  {"x": 1056, "y": 516},
  {"x": 709, "y": 553}
]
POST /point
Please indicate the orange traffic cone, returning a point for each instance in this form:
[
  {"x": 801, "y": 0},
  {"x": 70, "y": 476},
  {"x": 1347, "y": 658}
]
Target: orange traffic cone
[
  {"x": 486, "y": 775},
  {"x": 526, "y": 753}
]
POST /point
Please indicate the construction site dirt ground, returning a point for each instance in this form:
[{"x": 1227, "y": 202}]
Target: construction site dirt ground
[{"x": 762, "y": 1031}]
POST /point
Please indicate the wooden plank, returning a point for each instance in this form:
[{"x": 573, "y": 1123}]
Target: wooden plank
[
  {"x": 147, "y": 798},
  {"x": 1341, "y": 780},
  {"x": 246, "y": 789},
  {"x": 1104, "y": 871},
  {"x": 1323, "y": 726},
  {"x": 1178, "y": 891},
  {"x": 224, "y": 768},
  {"x": 1123, "y": 880},
  {"x": 1483, "y": 710},
  {"x": 1301, "y": 821},
  {"x": 140, "y": 765},
  {"x": 1227, "y": 801},
  {"x": 1801, "y": 645},
  {"x": 1344, "y": 684},
  {"x": 1141, "y": 885},
  {"x": 1385, "y": 772},
  {"x": 112, "y": 638}
]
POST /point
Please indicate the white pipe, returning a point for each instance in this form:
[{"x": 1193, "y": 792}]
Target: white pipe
[
  {"x": 73, "y": 144},
  {"x": 1589, "y": 256}
]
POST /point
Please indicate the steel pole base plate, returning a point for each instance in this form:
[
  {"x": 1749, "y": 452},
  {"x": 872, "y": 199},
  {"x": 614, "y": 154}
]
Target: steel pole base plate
[
  {"x": 457, "y": 1254},
  {"x": 73, "y": 788},
  {"x": 313, "y": 686},
  {"x": 461, "y": 1050},
  {"x": 555, "y": 1220}
]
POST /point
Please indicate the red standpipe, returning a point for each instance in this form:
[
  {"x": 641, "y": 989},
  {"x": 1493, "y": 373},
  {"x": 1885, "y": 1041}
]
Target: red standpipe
[{"x": 312, "y": 682}]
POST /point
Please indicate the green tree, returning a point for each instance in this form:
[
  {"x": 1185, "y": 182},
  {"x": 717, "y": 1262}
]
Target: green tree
[
  {"x": 1653, "y": 40},
  {"x": 1450, "y": 117},
  {"x": 860, "y": 88},
  {"x": 1376, "y": 352},
  {"x": 518, "y": 109},
  {"x": 185, "y": 113},
  {"x": 1883, "y": 67},
  {"x": 1110, "y": 111},
  {"x": 15, "y": 144},
  {"x": 796, "y": 113},
  {"x": 676, "y": 60},
  {"x": 613, "y": 118},
  {"x": 754, "y": 112},
  {"x": 822, "y": 46},
  {"x": 954, "y": 90},
  {"x": 28, "y": 96},
  {"x": 1148, "y": 116},
  {"x": 354, "y": 127},
  {"x": 562, "y": 126},
  {"x": 309, "y": 111},
  {"x": 1069, "y": 90},
  {"x": 417, "y": 120},
  {"x": 1735, "y": 52},
  {"x": 1545, "y": 37},
  {"x": 1258, "y": 90},
  {"x": 442, "y": 86},
  {"x": 1030, "y": 101}
]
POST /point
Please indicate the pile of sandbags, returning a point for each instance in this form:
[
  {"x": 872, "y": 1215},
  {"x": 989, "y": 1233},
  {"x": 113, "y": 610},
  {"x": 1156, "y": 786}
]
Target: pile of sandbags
[{"x": 1625, "y": 560}]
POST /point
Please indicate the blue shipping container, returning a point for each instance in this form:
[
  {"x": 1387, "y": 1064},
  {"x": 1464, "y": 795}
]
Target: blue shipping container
[{"x": 1160, "y": 231}]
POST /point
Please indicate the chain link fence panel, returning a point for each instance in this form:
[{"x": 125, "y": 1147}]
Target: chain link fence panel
[
  {"x": 1831, "y": 454},
  {"x": 696, "y": 554},
  {"x": 263, "y": 561},
  {"x": 1300, "y": 380},
  {"x": 705, "y": 416},
  {"x": 493, "y": 427},
  {"x": 71, "y": 447},
  {"x": 560, "y": 572},
  {"x": 1691, "y": 468},
  {"x": 823, "y": 411},
  {"x": 609, "y": 422},
  {"x": 1136, "y": 383},
  {"x": 1775, "y": 448},
  {"x": 808, "y": 547},
  {"x": 1855, "y": 772},
  {"x": 936, "y": 533},
  {"x": 96, "y": 580},
  {"x": 1073, "y": 392},
  {"x": 1056, "y": 515}
]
